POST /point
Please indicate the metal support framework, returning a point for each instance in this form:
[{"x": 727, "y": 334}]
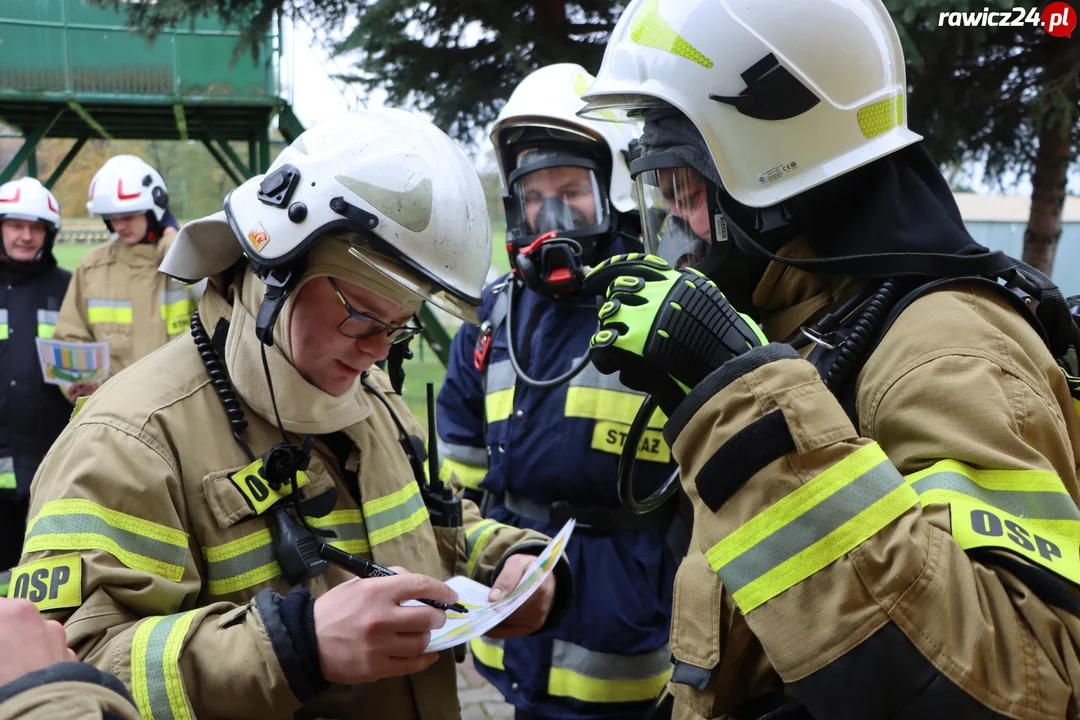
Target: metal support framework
[
  {"x": 181, "y": 121},
  {"x": 223, "y": 161},
  {"x": 224, "y": 147},
  {"x": 89, "y": 119},
  {"x": 31, "y": 164},
  {"x": 66, "y": 161},
  {"x": 253, "y": 156},
  {"x": 28, "y": 147}
]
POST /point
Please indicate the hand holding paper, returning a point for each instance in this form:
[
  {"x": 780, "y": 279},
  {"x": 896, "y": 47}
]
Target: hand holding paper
[
  {"x": 73, "y": 362},
  {"x": 484, "y": 614}
]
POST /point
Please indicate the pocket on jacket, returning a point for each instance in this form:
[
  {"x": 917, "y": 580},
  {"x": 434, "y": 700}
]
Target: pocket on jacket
[
  {"x": 229, "y": 505},
  {"x": 695, "y": 632}
]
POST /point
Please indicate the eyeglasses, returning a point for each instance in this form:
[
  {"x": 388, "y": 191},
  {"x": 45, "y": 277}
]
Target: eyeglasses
[{"x": 360, "y": 326}]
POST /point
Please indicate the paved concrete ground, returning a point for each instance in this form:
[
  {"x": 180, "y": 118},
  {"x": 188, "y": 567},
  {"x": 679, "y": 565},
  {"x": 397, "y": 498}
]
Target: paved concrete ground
[{"x": 479, "y": 700}]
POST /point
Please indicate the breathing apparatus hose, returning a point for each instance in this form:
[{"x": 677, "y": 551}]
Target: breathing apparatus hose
[
  {"x": 628, "y": 456},
  {"x": 533, "y": 382}
]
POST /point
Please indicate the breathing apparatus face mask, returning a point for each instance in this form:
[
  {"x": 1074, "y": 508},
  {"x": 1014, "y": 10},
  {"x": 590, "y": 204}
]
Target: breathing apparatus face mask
[
  {"x": 555, "y": 209},
  {"x": 679, "y": 221}
]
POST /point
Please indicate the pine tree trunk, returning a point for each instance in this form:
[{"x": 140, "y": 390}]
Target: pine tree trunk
[
  {"x": 552, "y": 28},
  {"x": 1047, "y": 199}
]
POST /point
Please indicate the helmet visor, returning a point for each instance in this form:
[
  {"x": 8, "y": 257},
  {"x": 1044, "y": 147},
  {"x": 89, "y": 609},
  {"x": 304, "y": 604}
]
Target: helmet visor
[
  {"x": 674, "y": 205},
  {"x": 558, "y": 192}
]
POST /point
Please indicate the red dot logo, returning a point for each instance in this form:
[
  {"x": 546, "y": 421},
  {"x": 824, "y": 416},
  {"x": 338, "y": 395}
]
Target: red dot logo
[{"x": 1059, "y": 19}]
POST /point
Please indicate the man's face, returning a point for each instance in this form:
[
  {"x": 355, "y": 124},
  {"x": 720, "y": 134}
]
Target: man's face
[
  {"x": 324, "y": 356},
  {"x": 571, "y": 185},
  {"x": 22, "y": 238},
  {"x": 130, "y": 227},
  {"x": 687, "y": 196}
]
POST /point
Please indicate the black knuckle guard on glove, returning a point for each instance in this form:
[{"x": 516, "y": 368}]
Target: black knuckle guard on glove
[{"x": 664, "y": 330}]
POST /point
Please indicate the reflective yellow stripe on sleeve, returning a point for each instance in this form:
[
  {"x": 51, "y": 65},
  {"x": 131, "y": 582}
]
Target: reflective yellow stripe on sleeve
[
  {"x": 157, "y": 685},
  {"x": 395, "y": 514},
  {"x": 77, "y": 524},
  {"x": 811, "y": 527},
  {"x": 601, "y": 677},
  {"x": 1027, "y": 512},
  {"x": 104, "y": 310},
  {"x": 249, "y": 561},
  {"x": 476, "y": 539},
  {"x": 4, "y": 329}
]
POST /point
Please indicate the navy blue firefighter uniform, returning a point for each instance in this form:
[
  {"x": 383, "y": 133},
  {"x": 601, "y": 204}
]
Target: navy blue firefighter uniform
[
  {"x": 542, "y": 456},
  {"x": 32, "y": 414}
]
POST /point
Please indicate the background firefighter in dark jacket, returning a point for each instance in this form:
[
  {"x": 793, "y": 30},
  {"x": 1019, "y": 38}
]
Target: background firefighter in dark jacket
[{"x": 32, "y": 414}]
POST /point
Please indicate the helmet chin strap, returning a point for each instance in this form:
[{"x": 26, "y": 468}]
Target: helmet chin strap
[{"x": 279, "y": 283}]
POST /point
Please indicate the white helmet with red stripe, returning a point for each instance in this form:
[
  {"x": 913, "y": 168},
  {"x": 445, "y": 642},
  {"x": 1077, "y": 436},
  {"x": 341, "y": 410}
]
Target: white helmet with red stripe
[
  {"x": 125, "y": 184},
  {"x": 28, "y": 199}
]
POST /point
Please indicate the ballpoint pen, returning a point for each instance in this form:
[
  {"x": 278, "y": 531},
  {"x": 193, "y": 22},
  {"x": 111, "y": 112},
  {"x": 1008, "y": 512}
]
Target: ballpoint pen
[{"x": 364, "y": 568}]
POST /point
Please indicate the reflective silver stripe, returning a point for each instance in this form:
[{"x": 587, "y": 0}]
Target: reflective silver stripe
[
  {"x": 1040, "y": 505},
  {"x": 168, "y": 297},
  {"x": 527, "y": 508},
  {"x": 7, "y": 464},
  {"x": 397, "y": 513},
  {"x": 475, "y": 530},
  {"x": 155, "y": 667},
  {"x": 221, "y": 570},
  {"x": 500, "y": 376},
  {"x": 609, "y": 666},
  {"x": 231, "y": 568},
  {"x": 593, "y": 378},
  {"x": 811, "y": 526},
  {"x": 46, "y": 317},
  {"x": 464, "y": 454},
  {"x": 102, "y": 302},
  {"x": 82, "y": 524},
  {"x": 3, "y": 316}
]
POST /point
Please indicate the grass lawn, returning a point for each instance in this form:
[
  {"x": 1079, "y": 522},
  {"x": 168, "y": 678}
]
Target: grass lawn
[{"x": 423, "y": 368}]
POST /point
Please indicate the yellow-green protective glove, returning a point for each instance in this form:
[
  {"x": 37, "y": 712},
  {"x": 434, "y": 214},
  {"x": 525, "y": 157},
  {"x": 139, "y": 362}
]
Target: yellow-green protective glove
[{"x": 664, "y": 330}]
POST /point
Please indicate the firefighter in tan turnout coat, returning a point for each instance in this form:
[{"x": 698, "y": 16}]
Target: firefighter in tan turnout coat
[
  {"x": 876, "y": 433},
  {"x": 168, "y": 527}
]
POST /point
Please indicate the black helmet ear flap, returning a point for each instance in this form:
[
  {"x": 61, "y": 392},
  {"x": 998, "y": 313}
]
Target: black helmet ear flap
[{"x": 161, "y": 198}]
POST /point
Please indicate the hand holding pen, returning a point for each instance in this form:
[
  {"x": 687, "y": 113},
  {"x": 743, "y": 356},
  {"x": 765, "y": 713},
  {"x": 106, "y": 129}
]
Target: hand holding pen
[
  {"x": 364, "y": 568},
  {"x": 364, "y": 632}
]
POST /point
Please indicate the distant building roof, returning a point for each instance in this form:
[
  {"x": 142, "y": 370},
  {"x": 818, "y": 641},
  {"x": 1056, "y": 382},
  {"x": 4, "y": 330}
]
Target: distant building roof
[{"x": 1006, "y": 208}]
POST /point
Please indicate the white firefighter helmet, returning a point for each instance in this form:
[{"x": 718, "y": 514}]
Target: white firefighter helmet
[
  {"x": 787, "y": 95},
  {"x": 550, "y": 98},
  {"x": 396, "y": 186},
  {"x": 28, "y": 199},
  {"x": 126, "y": 184}
]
